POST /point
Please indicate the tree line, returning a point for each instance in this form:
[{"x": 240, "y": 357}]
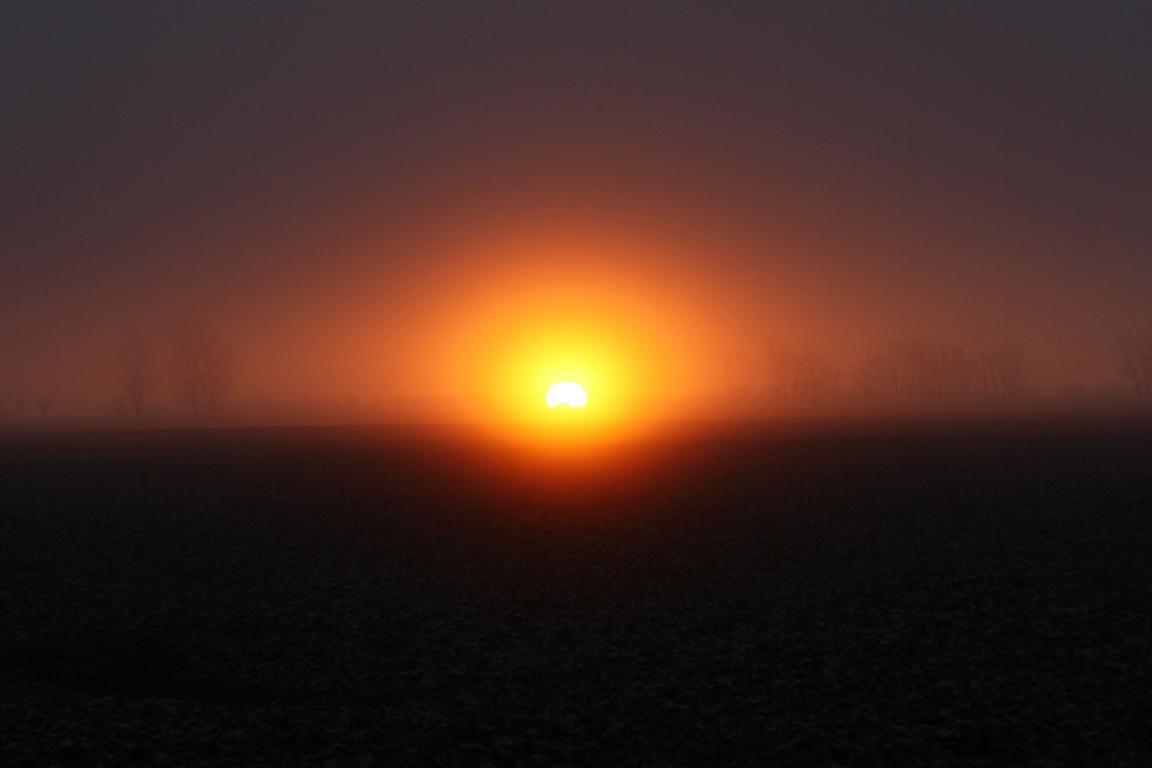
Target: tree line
[
  {"x": 925, "y": 374},
  {"x": 1134, "y": 361},
  {"x": 909, "y": 373},
  {"x": 198, "y": 372},
  {"x": 192, "y": 370}
]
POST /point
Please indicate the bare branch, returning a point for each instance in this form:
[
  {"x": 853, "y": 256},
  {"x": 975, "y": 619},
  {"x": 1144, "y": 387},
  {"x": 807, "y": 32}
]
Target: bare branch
[
  {"x": 915, "y": 373},
  {"x": 137, "y": 374},
  {"x": 201, "y": 370},
  {"x": 1134, "y": 361},
  {"x": 803, "y": 376}
]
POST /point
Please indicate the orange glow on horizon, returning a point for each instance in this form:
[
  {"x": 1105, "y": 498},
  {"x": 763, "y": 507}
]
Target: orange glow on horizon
[{"x": 627, "y": 316}]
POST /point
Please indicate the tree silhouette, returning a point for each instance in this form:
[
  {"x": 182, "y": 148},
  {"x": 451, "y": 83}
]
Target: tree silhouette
[
  {"x": 1000, "y": 373},
  {"x": 1134, "y": 360},
  {"x": 137, "y": 374},
  {"x": 912, "y": 373},
  {"x": 201, "y": 370},
  {"x": 44, "y": 404},
  {"x": 802, "y": 376},
  {"x": 916, "y": 373}
]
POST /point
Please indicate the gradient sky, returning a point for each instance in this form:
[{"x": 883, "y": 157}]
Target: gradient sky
[{"x": 333, "y": 183}]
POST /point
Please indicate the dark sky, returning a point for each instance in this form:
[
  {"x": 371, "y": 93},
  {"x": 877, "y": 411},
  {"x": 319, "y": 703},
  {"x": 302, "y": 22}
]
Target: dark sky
[{"x": 936, "y": 169}]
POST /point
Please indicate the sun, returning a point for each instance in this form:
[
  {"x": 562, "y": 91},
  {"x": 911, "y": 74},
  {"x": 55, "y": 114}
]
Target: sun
[{"x": 566, "y": 394}]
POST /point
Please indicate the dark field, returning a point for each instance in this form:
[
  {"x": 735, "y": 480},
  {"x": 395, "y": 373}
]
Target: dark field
[{"x": 906, "y": 595}]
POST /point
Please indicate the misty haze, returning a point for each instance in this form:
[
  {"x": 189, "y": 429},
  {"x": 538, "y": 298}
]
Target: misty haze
[{"x": 543, "y": 383}]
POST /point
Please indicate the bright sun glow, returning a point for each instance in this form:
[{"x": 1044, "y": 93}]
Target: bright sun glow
[{"x": 568, "y": 394}]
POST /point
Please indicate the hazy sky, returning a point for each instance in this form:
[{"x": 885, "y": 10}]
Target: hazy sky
[{"x": 326, "y": 180}]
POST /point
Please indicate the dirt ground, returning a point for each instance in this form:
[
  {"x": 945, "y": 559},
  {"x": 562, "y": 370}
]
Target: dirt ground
[{"x": 905, "y": 594}]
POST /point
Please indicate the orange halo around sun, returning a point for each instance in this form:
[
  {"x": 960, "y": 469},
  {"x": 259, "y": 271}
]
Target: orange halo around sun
[
  {"x": 567, "y": 335},
  {"x": 565, "y": 379}
]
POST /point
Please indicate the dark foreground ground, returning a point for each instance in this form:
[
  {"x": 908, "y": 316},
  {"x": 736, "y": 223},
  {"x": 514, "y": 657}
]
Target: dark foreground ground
[{"x": 868, "y": 596}]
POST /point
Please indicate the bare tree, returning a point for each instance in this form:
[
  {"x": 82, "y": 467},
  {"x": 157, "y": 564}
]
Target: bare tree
[
  {"x": 905, "y": 373},
  {"x": 1000, "y": 373},
  {"x": 1134, "y": 359},
  {"x": 879, "y": 378},
  {"x": 927, "y": 375},
  {"x": 201, "y": 370},
  {"x": 803, "y": 376},
  {"x": 44, "y": 404},
  {"x": 137, "y": 374}
]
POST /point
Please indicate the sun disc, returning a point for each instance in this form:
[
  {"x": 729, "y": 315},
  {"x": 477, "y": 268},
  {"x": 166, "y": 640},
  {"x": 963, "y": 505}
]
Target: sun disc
[{"x": 566, "y": 394}]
